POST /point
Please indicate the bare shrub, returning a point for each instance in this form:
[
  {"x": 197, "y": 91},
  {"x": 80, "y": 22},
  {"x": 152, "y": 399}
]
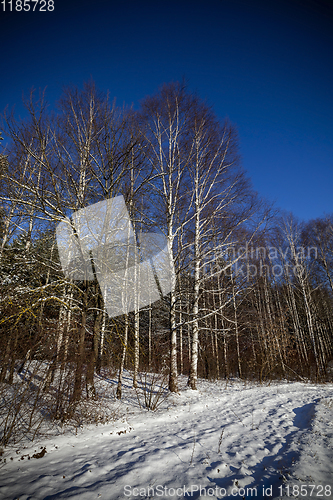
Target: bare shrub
[
  {"x": 21, "y": 405},
  {"x": 152, "y": 391}
]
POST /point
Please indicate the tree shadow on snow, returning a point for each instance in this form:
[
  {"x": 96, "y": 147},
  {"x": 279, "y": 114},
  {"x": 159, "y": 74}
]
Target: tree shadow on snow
[{"x": 270, "y": 473}]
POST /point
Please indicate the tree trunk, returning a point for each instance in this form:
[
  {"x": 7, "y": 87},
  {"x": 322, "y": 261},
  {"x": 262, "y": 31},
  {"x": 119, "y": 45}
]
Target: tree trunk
[{"x": 122, "y": 360}]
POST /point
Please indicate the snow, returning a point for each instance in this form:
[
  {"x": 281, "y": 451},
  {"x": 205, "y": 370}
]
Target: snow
[{"x": 229, "y": 439}]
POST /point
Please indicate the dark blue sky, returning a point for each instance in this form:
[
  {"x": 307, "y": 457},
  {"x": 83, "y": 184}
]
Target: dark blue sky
[{"x": 266, "y": 65}]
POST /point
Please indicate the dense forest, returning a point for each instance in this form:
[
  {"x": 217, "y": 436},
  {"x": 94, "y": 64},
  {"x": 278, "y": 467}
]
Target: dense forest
[{"x": 252, "y": 294}]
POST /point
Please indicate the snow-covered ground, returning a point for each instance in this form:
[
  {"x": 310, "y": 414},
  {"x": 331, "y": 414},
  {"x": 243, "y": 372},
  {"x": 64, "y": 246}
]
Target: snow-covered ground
[{"x": 231, "y": 440}]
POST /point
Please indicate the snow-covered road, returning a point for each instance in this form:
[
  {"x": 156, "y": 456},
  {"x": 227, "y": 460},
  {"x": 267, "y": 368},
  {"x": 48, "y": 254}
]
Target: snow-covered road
[{"x": 231, "y": 441}]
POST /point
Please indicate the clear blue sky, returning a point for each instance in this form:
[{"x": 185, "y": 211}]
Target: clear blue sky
[{"x": 266, "y": 65}]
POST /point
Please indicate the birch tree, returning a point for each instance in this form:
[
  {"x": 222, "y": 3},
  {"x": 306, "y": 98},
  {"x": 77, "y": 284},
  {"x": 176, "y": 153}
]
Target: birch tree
[
  {"x": 218, "y": 186},
  {"x": 164, "y": 121}
]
